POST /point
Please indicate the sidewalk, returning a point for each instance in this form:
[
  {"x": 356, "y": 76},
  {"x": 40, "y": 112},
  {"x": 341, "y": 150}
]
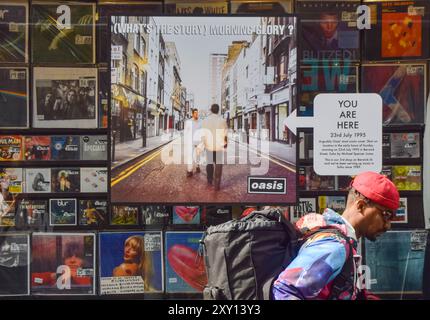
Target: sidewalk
[
  {"x": 129, "y": 150},
  {"x": 277, "y": 150}
]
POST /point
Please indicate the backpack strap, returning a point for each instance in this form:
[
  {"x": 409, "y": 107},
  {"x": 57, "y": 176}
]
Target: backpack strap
[{"x": 343, "y": 282}]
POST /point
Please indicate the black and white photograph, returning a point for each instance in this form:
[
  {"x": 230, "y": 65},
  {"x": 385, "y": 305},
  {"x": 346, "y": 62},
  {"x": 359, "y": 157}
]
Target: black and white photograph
[
  {"x": 65, "y": 98},
  {"x": 156, "y": 215}
]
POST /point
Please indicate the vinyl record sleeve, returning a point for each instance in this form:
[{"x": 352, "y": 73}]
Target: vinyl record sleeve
[
  {"x": 37, "y": 180},
  {"x": 261, "y": 7},
  {"x": 14, "y": 264},
  {"x": 94, "y": 180},
  {"x": 65, "y": 98},
  {"x": 336, "y": 203},
  {"x": 156, "y": 215},
  {"x": 124, "y": 215},
  {"x": 94, "y": 147},
  {"x": 329, "y": 30},
  {"x": 185, "y": 270},
  {"x": 131, "y": 262},
  {"x": 396, "y": 261},
  {"x": 11, "y": 148},
  {"x": 37, "y": 148},
  {"x": 328, "y": 78},
  {"x": 63, "y": 33},
  {"x": 405, "y": 145},
  {"x": 399, "y": 30},
  {"x": 196, "y": 7},
  {"x": 63, "y": 212},
  {"x": 33, "y": 212},
  {"x": 246, "y": 179},
  {"x": 304, "y": 206},
  {"x": 402, "y": 88},
  {"x": 186, "y": 215},
  {"x": 63, "y": 264},
  {"x": 215, "y": 215},
  {"x": 65, "y": 180},
  {"x": 13, "y": 32},
  {"x": 65, "y": 148},
  {"x": 14, "y": 98},
  {"x": 93, "y": 213}
]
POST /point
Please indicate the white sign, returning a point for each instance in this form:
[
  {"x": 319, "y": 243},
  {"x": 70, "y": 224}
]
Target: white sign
[
  {"x": 347, "y": 132},
  {"x": 116, "y": 53}
]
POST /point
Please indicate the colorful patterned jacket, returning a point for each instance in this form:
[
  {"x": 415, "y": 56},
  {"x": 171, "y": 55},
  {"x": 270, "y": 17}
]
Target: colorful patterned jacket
[{"x": 319, "y": 261}]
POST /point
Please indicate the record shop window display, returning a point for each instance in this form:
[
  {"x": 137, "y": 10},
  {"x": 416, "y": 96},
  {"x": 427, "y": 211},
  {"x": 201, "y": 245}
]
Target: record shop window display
[{"x": 59, "y": 234}]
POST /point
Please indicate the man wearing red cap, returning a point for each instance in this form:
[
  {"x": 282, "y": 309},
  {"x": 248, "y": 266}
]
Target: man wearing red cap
[{"x": 326, "y": 264}]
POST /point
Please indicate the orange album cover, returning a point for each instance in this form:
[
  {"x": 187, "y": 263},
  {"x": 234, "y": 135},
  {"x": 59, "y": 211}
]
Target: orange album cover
[{"x": 401, "y": 35}]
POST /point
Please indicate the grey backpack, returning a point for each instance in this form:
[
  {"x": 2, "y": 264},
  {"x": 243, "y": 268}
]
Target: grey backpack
[{"x": 244, "y": 257}]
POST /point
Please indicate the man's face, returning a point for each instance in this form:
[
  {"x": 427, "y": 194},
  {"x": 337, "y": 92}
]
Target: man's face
[
  {"x": 328, "y": 25},
  {"x": 375, "y": 222},
  {"x": 196, "y": 115},
  {"x": 71, "y": 97}
]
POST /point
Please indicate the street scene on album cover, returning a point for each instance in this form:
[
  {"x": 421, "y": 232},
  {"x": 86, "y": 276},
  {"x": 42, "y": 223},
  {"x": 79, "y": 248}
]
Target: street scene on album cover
[{"x": 203, "y": 115}]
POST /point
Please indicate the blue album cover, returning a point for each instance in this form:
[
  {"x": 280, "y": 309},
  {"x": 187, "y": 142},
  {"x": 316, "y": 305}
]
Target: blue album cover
[
  {"x": 185, "y": 269},
  {"x": 396, "y": 261},
  {"x": 65, "y": 148},
  {"x": 63, "y": 212},
  {"x": 130, "y": 262}
]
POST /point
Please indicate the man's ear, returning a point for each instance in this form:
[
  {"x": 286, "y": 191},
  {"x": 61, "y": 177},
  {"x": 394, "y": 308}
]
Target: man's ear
[{"x": 360, "y": 205}]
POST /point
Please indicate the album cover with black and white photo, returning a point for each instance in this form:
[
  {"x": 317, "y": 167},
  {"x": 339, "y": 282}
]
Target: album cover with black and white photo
[
  {"x": 14, "y": 264},
  {"x": 38, "y": 180},
  {"x": 405, "y": 145},
  {"x": 13, "y": 32},
  {"x": 156, "y": 215},
  {"x": 65, "y": 98},
  {"x": 14, "y": 97}
]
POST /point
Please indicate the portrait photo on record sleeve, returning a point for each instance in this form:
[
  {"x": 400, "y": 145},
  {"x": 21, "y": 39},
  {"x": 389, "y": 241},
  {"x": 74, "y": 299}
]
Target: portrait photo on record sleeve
[
  {"x": 63, "y": 264},
  {"x": 130, "y": 262}
]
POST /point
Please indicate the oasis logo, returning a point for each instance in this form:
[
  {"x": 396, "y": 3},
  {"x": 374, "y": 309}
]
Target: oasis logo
[{"x": 267, "y": 185}]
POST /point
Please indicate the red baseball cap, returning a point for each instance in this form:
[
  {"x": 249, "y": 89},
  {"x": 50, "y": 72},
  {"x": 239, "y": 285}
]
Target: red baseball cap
[{"x": 377, "y": 188}]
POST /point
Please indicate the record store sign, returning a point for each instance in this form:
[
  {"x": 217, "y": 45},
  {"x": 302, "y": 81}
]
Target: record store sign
[{"x": 347, "y": 132}]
